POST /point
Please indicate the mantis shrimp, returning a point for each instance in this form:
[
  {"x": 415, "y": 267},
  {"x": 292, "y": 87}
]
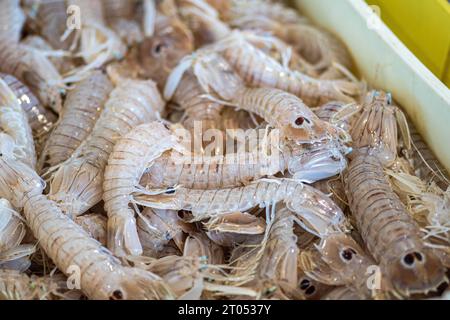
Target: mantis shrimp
[
  {"x": 203, "y": 20},
  {"x": 34, "y": 69},
  {"x": 77, "y": 183},
  {"x": 264, "y": 71},
  {"x": 390, "y": 233},
  {"x": 128, "y": 160},
  {"x": 14, "y": 126},
  {"x": 101, "y": 275},
  {"x": 196, "y": 76},
  {"x": 82, "y": 107},
  {"x": 170, "y": 42}
]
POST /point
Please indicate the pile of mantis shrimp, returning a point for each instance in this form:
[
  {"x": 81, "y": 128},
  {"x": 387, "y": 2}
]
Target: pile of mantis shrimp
[{"x": 95, "y": 202}]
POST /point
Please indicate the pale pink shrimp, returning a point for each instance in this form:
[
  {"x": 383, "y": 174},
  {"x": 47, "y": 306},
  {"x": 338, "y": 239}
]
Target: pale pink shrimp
[
  {"x": 171, "y": 41},
  {"x": 35, "y": 70},
  {"x": 390, "y": 233},
  {"x": 157, "y": 227},
  {"x": 41, "y": 120},
  {"x": 308, "y": 162},
  {"x": 203, "y": 20},
  {"x": 77, "y": 183},
  {"x": 101, "y": 275},
  {"x": 258, "y": 69},
  {"x": 14, "y": 123},
  {"x": 234, "y": 228},
  {"x": 95, "y": 225},
  {"x": 316, "y": 212},
  {"x": 126, "y": 164},
  {"x": 197, "y": 75},
  {"x": 265, "y": 264},
  {"x": 12, "y": 20},
  {"x": 286, "y": 112},
  {"x": 199, "y": 245},
  {"x": 82, "y": 107}
]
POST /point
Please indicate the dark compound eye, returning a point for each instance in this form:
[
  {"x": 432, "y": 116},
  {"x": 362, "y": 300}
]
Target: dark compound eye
[
  {"x": 299, "y": 121},
  {"x": 310, "y": 290},
  {"x": 348, "y": 254},
  {"x": 116, "y": 295},
  {"x": 158, "y": 48},
  {"x": 170, "y": 191},
  {"x": 411, "y": 258},
  {"x": 304, "y": 284}
]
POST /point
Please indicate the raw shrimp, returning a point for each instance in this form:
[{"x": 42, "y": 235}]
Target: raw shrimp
[
  {"x": 34, "y": 69},
  {"x": 316, "y": 212},
  {"x": 81, "y": 110},
  {"x": 337, "y": 113},
  {"x": 308, "y": 162},
  {"x": 273, "y": 261},
  {"x": 159, "y": 54},
  {"x": 69, "y": 246},
  {"x": 95, "y": 225},
  {"x": 391, "y": 234},
  {"x": 424, "y": 162},
  {"x": 340, "y": 261},
  {"x": 77, "y": 183},
  {"x": 286, "y": 112},
  {"x": 41, "y": 120},
  {"x": 234, "y": 228},
  {"x": 116, "y": 9},
  {"x": 203, "y": 20},
  {"x": 126, "y": 164},
  {"x": 157, "y": 227},
  {"x": 14, "y": 124},
  {"x": 258, "y": 69},
  {"x": 98, "y": 43},
  {"x": 199, "y": 245},
  {"x": 376, "y": 131},
  {"x": 12, "y": 20},
  {"x": 128, "y": 30},
  {"x": 197, "y": 75},
  {"x": 312, "y": 289}
]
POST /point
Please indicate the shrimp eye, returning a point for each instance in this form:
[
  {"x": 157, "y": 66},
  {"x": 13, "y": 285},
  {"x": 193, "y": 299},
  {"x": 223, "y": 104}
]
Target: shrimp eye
[
  {"x": 158, "y": 48},
  {"x": 170, "y": 191},
  {"x": 116, "y": 295},
  {"x": 411, "y": 258},
  {"x": 304, "y": 284},
  {"x": 310, "y": 290},
  {"x": 299, "y": 121},
  {"x": 348, "y": 254}
]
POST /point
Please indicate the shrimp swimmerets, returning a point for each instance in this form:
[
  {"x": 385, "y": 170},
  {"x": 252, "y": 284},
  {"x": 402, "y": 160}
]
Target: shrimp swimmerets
[
  {"x": 69, "y": 246},
  {"x": 77, "y": 184},
  {"x": 131, "y": 155},
  {"x": 82, "y": 107}
]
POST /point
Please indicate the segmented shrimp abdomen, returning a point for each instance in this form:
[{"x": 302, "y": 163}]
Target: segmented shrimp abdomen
[
  {"x": 82, "y": 108},
  {"x": 391, "y": 234}
]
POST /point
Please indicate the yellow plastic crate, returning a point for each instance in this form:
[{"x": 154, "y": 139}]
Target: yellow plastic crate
[{"x": 424, "y": 27}]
